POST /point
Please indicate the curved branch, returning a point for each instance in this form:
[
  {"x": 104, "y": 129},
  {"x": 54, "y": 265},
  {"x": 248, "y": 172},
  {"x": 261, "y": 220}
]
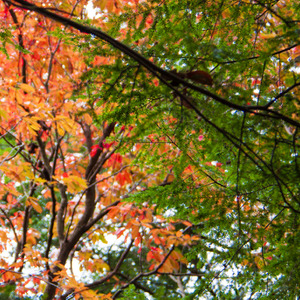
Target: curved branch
[
  {"x": 133, "y": 280},
  {"x": 22, "y": 242},
  {"x": 21, "y": 44},
  {"x": 257, "y": 56},
  {"x": 151, "y": 67},
  {"x": 282, "y": 94},
  {"x": 11, "y": 225},
  {"x": 105, "y": 278}
]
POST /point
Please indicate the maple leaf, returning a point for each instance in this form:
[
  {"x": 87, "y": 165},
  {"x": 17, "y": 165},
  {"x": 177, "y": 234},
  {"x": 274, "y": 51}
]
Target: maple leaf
[
  {"x": 124, "y": 177},
  {"x": 94, "y": 150}
]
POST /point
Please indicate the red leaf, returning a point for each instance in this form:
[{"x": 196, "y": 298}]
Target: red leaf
[
  {"x": 117, "y": 158},
  {"x": 200, "y": 138},
  {"x": 107, "y": 146},
  {"x": 94, "y": 150},
  {"x": 123, "y": 177}
]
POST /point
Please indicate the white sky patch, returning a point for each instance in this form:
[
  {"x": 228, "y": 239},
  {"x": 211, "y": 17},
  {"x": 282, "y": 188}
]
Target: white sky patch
[
  {"x": 91, "y": 10},
  {"x": 214, "y": 163},
  {"x": 171, "y": 212},
  {"x": 295, "y": 69}
]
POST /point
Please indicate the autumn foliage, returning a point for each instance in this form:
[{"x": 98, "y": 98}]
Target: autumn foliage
[{"x": 140, "y": 158}]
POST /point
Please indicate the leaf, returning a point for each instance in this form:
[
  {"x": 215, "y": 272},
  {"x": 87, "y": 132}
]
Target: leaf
[
  {"x": 34, "y": 202},
  {"x": 64, "y": 124},
  {"x": 196, "y": 76},
  {"x": 75, "y": 184},
  {"x": 200, "y": 77},
  {"x": 27, "y": 88},
  {"x": 32, "y": 123},
  {"x": 103, "y": 239},
  {"x": 178, "y": 233},
  {"x": 135, "y": 232},
  {"x": 95, "y": 149},
  {"x": 235, "y": 167},
  {"x": 100, "y": 3},
  {"x": 3, "y": 115},
  {"x": 123, "y": 177}
]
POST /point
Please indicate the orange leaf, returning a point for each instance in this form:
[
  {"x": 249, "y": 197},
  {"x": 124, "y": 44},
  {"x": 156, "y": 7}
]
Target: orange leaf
[
  {"x": 178, "y": 233},
  {"x": 27, "y": 88},
  {"x": 135, "y": 232},
  {"x": 187, "y": 223},
  {"x": 34, "y": 203}
]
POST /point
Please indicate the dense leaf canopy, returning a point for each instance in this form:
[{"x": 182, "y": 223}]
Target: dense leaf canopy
[{"x": 150, "y": 149}]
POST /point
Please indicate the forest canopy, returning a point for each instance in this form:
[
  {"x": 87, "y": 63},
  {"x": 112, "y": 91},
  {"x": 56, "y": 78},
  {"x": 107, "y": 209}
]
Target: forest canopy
[{"x": 149, "y": 149}]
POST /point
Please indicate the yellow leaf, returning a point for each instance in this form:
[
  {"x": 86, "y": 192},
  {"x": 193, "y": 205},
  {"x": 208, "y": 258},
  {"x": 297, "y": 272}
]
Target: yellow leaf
[
  {"x": 27, "y": 88},
  {"x": 68, "y": 95},
  {"x": 30, "y": 240},
  {"x": 32, "y": 123},
  {"x": 19, "y": 97},
  {"x": 102, "y": 239},
  {"x": 3, "y": 92},
  {"x": 259, "y": 262},
  {"x": 15, "y": 172},
  {"x": 244, "y": 262},
  {"x": 3, "y": 114},
  {"x": 64, "y": 124},
  {"x": 100, "y": 266},
  {"x": 40, "y": 180},
  {"x": 101, "y": 4},
  {"x": 75, "y": 184}
]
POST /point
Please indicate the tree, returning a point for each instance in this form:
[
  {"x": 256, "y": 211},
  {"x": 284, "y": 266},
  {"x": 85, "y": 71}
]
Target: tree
[{"x": 174, "y": 129}]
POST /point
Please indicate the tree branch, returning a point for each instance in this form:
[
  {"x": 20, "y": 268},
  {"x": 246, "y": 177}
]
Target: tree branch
[
  {"x": 107, "y": 277},
  {"x": 151, "y": 67},
  {"x": 132, "y": 281}
]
